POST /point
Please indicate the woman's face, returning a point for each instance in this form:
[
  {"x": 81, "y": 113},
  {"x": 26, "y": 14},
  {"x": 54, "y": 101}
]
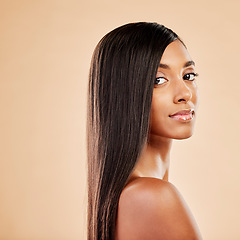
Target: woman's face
[{"x": 175, "y": 90}]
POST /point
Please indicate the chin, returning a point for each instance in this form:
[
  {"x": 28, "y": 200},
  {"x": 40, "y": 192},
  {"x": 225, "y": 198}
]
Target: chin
[
  {"x": 179, "y": 132},
  {"x": 183, "y": 136}
]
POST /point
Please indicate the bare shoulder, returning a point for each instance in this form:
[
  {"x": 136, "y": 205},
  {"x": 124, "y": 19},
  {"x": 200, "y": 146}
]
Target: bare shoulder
[{"x": 151, "y": 208}]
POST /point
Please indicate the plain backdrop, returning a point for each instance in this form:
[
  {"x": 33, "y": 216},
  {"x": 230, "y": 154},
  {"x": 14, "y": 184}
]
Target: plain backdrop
[{"x": 45, "y": 52}]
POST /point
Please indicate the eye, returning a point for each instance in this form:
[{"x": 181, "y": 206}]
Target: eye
[
  {"x": 190, "y": 76},
  {"x": 159, "y": 80}
]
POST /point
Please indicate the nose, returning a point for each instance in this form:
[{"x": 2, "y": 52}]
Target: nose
[{"x": 183, "y": 93}]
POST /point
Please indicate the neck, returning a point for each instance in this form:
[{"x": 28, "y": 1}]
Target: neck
[{"x": 155, "y": 158}]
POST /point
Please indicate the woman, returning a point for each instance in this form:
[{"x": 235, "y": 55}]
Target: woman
[{"x": 142, "y": 94}]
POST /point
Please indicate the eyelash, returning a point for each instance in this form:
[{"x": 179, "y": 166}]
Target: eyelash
[{"x": 194, "y": 75}]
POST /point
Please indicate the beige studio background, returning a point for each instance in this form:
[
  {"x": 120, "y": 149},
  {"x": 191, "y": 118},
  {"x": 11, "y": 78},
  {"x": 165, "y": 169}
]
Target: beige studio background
[{"x": 45, "y": 51}]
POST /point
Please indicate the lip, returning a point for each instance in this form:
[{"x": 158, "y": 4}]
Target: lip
[{"x": 183, "y": 112}]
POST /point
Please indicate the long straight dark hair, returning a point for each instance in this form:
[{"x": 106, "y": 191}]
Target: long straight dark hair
[{"x": 121, "y": 81}]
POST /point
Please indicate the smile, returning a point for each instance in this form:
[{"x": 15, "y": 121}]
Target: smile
[{"x": 183, "y": 117}]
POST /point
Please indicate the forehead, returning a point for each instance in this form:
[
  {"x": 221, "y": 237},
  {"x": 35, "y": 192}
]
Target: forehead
[{"x": 175, "y": 53}]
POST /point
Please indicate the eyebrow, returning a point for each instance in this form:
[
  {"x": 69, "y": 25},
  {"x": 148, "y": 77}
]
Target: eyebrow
[{"x": 187, "y": 64}]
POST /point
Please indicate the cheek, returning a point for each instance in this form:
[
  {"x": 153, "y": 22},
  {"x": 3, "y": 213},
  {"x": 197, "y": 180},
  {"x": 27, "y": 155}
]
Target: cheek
[
  {"x": 159, "y": 111},
  {"x": 162, "y": 106},
  {"x": 158, "y": 105},
  {"x": 195, "y": 96}
]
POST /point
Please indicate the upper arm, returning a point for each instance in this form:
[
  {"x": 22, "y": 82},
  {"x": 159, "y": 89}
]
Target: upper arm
[{"x": 154, "y": 209}]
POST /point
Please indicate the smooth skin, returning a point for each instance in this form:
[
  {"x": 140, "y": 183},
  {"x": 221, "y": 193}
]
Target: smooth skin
[{"x": 150, "y": 207}]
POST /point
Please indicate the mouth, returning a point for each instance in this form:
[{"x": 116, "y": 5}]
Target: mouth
[{"x": 183, "y": 115}]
